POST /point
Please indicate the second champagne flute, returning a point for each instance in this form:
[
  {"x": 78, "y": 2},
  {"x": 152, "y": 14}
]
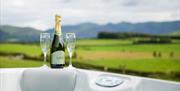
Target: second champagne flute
[
  {"x": 70, "y": 39},
  {"x": 45, "y": 43}
]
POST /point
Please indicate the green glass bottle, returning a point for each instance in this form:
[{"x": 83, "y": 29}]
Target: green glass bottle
[{"x": 57, "y": 54}]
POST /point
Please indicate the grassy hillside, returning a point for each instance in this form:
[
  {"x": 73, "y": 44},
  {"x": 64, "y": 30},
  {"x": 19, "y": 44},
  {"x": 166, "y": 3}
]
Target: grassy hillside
[
  {"x": 157, "y": 60},
  {"x": 176, "y": 33},
  {"x": 8, "y": 62},
  {"x": 31, "y": 50},
  {"x": 18, "y": 34}
]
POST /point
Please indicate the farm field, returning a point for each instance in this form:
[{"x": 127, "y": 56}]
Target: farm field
[
  {"x": 108, "y": 54},
  {"x": 6, "y": 62}
]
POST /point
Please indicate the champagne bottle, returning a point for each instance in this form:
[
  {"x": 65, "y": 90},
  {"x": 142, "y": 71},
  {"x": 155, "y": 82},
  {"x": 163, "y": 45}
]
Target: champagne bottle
[{"x": 57, "y": 54}]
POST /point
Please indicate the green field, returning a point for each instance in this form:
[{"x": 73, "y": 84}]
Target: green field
[
  {"x": 147, "y": 65},
  {"x": 6, "y": 62},
  {"x": 110, "y": 54},
  {"x": 32, "y": 50}
]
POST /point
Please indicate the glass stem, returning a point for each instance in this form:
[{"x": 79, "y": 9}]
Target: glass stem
[
  {"x": 44, "y": 58},
  {"x": 70, "y": 62}
]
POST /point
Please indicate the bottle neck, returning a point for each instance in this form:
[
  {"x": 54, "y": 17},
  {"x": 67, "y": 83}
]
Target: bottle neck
[{"x": 58, "y": 28}]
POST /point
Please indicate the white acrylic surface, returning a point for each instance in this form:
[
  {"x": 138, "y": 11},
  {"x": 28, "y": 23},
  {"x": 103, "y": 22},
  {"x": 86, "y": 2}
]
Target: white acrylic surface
[{"x": 31, "y": 79}]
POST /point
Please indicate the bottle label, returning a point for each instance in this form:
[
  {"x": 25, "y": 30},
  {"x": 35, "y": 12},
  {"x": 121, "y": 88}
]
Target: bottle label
[{"x": 58, "y": 57}]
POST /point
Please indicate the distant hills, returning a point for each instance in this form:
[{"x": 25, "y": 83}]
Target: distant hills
[
  {"x": 90, "y": 30},
  {"x": 18, "y": 34}
]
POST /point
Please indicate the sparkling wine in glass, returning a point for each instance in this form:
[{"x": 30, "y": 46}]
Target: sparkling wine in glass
[
  {"x": 70, "y": 40},
  {"x": 45, "y": 43}
]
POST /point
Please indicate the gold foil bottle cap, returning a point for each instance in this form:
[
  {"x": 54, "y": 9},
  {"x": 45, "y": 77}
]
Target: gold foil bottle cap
[
  {"x": 58, "y": 18},
  {"x": 57, "y": 24}
]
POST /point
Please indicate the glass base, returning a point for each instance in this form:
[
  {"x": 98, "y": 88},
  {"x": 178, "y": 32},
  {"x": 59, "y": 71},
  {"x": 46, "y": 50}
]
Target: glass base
[
  {"x": 44, "y": 66},
  {"x": 70, "y": 67}
]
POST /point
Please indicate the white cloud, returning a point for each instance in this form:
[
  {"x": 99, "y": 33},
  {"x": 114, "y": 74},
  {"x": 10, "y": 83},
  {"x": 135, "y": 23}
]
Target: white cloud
[{"x": 40, "y": 13}]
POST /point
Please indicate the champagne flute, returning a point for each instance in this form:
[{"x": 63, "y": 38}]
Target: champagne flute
[
  {"x": 70, "y": 40},
  {"x": 45, "y": 43}
]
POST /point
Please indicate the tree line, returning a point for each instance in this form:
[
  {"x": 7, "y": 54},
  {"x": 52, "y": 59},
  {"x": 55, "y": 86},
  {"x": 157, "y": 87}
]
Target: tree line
[
  {"x": 124, "y": 35},
  {"x": 144, "y": 38}
]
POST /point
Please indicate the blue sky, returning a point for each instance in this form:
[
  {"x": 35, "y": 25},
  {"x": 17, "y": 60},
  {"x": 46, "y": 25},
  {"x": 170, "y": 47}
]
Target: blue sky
[{"x": 39, "y": 14}]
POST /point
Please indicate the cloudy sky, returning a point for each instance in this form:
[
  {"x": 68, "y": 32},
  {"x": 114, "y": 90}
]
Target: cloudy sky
[{"x": 40, "y": 13}]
